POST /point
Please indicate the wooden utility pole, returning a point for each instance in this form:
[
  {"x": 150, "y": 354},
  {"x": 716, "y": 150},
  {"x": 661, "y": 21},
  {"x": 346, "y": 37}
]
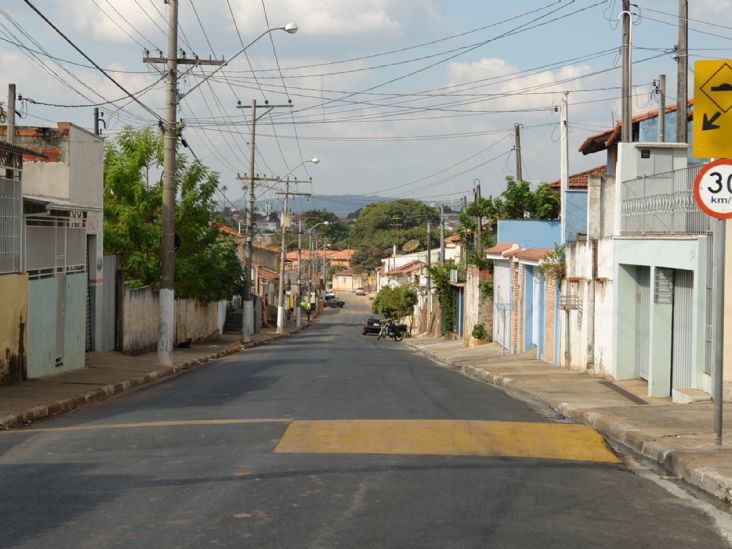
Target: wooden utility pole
[
  {"x": 517, "y": 146},
  {"x": 661, "y": 108},
  {"x": 626, "y": 133},
  {"x": 682, "y": 75}
]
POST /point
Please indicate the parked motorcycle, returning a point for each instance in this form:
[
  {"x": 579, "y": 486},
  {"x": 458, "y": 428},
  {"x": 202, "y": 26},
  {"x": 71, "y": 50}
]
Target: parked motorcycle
[{"x": 390, "y": 328}]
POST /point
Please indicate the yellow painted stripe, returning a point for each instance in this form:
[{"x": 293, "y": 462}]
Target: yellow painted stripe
[
  {"x": 447, "y": 438},
  {"x": 148, "y": 424}
]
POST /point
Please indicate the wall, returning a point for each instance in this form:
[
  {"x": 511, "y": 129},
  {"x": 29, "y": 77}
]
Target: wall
[
  {"x": 86, "y": 162},
  {"x": 13, "y": 328},
  {"x": 529, "y": 233},
  {"x": 43, "y": 344},
  {"x": 550, "y": 313},
  {"x": 502, "y": 298},
  {"x": 194, "y": 321}
]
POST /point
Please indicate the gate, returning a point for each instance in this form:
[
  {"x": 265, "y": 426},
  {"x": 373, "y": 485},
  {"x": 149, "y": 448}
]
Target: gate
[
  {"x": 642, "y": 320},
  {"x": 682, "y": 370}
]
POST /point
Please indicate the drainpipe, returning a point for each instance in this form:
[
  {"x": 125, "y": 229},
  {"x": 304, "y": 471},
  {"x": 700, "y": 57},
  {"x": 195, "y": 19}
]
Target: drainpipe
[{"x": 591, "y": 308}]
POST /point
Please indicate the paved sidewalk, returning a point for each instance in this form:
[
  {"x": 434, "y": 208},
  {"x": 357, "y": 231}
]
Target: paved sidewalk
[
  {"x": 680, "y": 437},
  {"x": 108, "y": 374}
]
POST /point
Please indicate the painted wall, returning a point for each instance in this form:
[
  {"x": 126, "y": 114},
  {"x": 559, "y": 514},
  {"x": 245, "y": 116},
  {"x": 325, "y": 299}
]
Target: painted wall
[
  {"x": 140, "y": 313},
  {"x": 529, "y": 233},
  {"x": 501, "y": 297},
  {"x": 13, "y": 328},
  {"x": 43, "y": 302},
  {"x": 86, "y": 160}
]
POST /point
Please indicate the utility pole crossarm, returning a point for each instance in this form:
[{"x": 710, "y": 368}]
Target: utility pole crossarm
[{"x": 183, "y": 61}]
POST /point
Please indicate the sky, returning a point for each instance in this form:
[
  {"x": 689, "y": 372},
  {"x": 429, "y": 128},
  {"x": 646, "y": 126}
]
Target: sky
[{"x": 397, "y": 98}]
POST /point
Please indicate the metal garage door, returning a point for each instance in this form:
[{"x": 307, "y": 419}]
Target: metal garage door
[
  {"x": 642, "y": 320},
  {"x": 681, "y": 352}
]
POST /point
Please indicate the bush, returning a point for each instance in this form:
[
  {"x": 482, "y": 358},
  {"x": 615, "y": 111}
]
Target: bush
[
  {"x": 479, "y": 332},
  {"x": 395, "y": 302}
]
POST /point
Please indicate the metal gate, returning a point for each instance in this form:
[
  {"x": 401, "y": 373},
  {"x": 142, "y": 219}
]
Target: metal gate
[
  {"x": 642, "y": 320},
  {"x": 682, "y": 370}
]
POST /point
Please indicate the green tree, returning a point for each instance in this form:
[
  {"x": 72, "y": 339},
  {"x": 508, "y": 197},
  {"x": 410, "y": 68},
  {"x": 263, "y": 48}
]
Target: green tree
[
  {"x": 395, "y": 302},
  {"x": 207, "y": 267}
]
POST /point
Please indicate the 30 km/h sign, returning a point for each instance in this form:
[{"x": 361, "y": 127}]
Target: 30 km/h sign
[
  {"x": 713, "y": 189},
  {"x": 712, "y": 137}
]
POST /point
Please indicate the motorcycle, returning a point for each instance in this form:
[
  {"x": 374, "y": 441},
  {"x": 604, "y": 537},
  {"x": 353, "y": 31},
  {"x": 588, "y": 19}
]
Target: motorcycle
[{"x": 391, "y": 329}]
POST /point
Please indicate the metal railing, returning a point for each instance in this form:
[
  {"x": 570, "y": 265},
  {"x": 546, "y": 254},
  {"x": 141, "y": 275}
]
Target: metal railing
[{"x": 662, "y": 204}]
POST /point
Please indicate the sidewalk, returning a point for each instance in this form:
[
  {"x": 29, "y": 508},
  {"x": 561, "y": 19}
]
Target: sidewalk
[
  {"x": 680, "y": 437},
  {"x": 108, "y": 374}
]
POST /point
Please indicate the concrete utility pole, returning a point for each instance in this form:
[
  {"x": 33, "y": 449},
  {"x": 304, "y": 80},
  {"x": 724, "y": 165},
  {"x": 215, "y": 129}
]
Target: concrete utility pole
[
  {"x": 299, "y": 263},
  {"x": 11, "y": 114},
  {"x": 464, "y": 247},
  {"x": 564, "y": 165},
  {"x": 247, "y": 316},
  {"x": 166, "y": 327},
  {"x": 479, "y": 219},
  {"x": 442, "y": 234},
  {"x": 626, "y": 133},
  {"x": 281, "y": 313},
  {"x": 429, "y": 252},
  {"x": 166, "y": 330},
  {"x": 661, "y": 108},
  {"x": 682, "y": 76},
  {"x": 517, "y": 146}
]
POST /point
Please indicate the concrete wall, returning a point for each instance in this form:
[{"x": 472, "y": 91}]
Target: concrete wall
[
  {"x": 478, "y": 309},
  {"x": 44, "y": 345},
  {"x": 195, "y": 321},
  {"x": 13, "y": 328},
  {"x": 501, "y": 298},
  {"x": 86, "y": 160},
  {"x": 529, "y": 233}
]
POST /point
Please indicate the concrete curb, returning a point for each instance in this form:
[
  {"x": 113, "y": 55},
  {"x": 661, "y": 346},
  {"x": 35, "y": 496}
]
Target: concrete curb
[
  {"x": 105, "y": 392},
  {"x": 682, "y": 464}
]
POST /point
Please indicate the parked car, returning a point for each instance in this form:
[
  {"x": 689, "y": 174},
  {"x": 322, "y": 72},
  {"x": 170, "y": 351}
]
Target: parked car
[
  {"x": 330, "y": 294},
  {"x": 372, "y": 325},
  {"x": 360, "y": 291},
  {"x": 334, "y": 302}
]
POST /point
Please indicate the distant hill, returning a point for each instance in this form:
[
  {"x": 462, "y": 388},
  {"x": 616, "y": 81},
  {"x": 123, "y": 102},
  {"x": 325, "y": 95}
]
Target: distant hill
[{"x": 339, "y": 204}]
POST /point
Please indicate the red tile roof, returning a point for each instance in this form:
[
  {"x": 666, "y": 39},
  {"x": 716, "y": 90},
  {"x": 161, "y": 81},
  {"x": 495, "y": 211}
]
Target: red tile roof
[
  {"x": 604, "y": 140},
  {"x": 407, "y": 268},
  {"x": 266, "y": 274},
  {"x": 533, "y": 254},
  {"x": 579, "y": 180},
  {"x": 500, "y": 248}
]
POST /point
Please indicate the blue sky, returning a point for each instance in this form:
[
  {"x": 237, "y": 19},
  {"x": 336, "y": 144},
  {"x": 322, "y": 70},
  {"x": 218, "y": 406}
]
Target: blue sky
[{"x": 408, "y": 98}]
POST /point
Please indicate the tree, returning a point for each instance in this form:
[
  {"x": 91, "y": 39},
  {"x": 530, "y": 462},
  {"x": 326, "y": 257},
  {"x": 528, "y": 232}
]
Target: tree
[
  {"x": 395, "y": 302},
  {"x": 335, "y": 231},
  {"x": 207, "y": 267}
]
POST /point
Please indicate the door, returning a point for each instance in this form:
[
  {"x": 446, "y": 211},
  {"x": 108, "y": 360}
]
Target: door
[
  {"x": 682, "y": 372},
  {"x": 642, "y": 320},
  {"x": 536, "y": 310}
]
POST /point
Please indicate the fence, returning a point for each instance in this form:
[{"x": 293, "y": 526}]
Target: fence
[{"x": 662, "y": 204}]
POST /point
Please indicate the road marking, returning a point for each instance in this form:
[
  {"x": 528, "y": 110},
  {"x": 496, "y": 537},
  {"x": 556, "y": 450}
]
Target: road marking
[
  {"x": 148, "y": 424},
  {"x": 447, "y": 438}
]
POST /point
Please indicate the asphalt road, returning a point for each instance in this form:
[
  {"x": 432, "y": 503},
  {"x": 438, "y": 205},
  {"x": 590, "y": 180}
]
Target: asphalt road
[{"x": 327, "y": 439}]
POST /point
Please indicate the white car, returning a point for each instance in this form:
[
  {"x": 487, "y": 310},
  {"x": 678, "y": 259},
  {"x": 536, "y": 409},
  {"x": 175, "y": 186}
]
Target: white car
[
  {"x": 360, "y": 291},
  {"x": 329, "y": 294}
]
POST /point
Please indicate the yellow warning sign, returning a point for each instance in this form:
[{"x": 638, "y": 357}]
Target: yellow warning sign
[{"x": 712, "y": 137}]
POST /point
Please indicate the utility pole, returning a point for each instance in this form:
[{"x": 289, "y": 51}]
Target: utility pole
[
  {"x": 11, "y": 115},
  {"x": 283, "y": 246},
  {"x": 429, "y": 252},
  {"x": 247, "y": 316},
  {"x": 627, "y": 128},
  {"x": 682, "y": 76},
  {"x": 564, "y": 166},
  {"x": 166, "y": 327},
  {"x": 661, "y": 108},
  {"x": 479, "y": 219},
  {"x": 299, "y": 263},
  {"x": 442, "y": 234},
  {"x": 464, "y": 247},
  {"x": 517, "y": 146}
]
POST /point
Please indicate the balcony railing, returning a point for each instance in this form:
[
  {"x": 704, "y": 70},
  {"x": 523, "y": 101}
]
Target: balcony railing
[{"x": 662, "y": 204}]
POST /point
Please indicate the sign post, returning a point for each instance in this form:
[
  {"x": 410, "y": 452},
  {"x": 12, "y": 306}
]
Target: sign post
[{"x": 713, "y": 194}]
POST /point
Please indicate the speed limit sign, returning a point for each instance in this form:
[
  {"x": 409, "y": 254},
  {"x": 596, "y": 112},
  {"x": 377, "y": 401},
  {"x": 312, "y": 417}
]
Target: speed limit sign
[{"x": 713, "y": 189}]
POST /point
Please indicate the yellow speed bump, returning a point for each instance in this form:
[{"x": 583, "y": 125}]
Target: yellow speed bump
[{"x": 447, "y": 438}]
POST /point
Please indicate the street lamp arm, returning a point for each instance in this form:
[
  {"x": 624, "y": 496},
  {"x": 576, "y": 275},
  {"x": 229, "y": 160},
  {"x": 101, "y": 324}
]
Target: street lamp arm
[
  {"x": 290, "y": 28},
  {"x": 315, "y": 161}
]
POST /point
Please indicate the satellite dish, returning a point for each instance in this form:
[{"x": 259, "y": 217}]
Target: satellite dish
[{"x": 410, "y": 246}]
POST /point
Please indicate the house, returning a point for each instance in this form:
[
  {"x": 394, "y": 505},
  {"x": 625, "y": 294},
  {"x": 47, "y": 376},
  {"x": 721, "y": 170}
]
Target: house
[
  {"x": 63, "y": 245},
  {"x": 637, "y": 295},
  {"x": 524, "y": 316},
  {"x": 13, "y": 279}
]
